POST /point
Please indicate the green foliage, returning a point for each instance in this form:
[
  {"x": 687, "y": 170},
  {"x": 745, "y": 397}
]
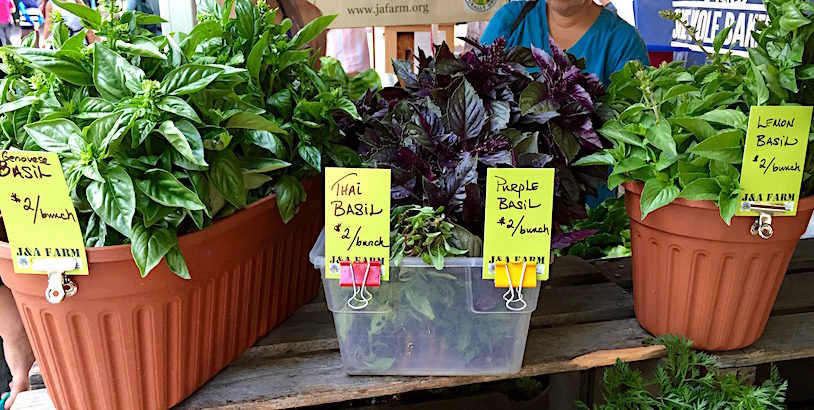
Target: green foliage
[
  {"x": 681, "y": 131},
  {"x": 687, "y": 379},
  {"x": 423, "y": 232},
  {"x": 611, "y": 225},
  {"x": 159, "y": 136},
  {"x": 355, "y": 87}
]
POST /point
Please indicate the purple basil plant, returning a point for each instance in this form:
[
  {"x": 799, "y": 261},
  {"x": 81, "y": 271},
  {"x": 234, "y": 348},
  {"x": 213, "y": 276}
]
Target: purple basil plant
[{"x": 458, "y": 116}]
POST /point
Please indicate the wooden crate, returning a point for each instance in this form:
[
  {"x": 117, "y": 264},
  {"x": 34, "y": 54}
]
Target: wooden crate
[
  {"x": 399, "y": 39},
  {"x": 584, "y": 321}
]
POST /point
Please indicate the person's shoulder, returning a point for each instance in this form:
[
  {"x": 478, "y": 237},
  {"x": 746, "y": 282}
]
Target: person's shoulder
[
  {"x": 617, "y": 25},
  {"x": 509, "y": 11}
]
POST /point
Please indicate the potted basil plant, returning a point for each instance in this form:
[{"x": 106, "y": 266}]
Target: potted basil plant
[
  {"x": 185, "y": 156},
  {"x": 678, "y": 141}
]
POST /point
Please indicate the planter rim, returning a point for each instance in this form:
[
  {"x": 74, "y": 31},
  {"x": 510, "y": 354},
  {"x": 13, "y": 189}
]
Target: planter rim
[
  {"x": 636, "y": 187},
  {"x": 122, "y": 252}
]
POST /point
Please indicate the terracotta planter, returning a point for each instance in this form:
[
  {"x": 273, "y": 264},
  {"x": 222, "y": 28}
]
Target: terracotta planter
[
  {"x": 693, "y": 275},
  {"x": 123, "y": 342}
]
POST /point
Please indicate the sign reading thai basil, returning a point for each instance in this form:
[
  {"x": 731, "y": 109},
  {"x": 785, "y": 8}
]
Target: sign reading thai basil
[
  {"x": 517, "y": 229},
  {"x": 357, "y": 218},
  {"x": 366, "y": 13},
  {"x": 38, "y": 212},
  {"x": 774, "y": 157},
  {"x": 707, "y": 17}
]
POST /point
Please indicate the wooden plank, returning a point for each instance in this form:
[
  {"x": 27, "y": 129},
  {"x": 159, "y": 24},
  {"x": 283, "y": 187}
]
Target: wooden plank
[
  {"x": 803, "y": 259},
  {"x": 571, "y": 271},
  {"x": 786, "y": 337},
  {"x": 618, "y": 271},
  {"x": 320, "y": 379},
  {"x": 795, "y": 295}
]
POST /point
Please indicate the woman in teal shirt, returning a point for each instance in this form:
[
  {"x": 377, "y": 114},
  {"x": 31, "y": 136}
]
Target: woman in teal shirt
[{"x": 583, "y": 28}]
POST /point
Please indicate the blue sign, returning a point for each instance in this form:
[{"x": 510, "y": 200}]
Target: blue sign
[{"x": 708, "y": 17}]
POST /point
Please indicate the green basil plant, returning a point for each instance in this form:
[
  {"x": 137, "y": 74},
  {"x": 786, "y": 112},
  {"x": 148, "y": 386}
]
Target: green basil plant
[
  {"x": 681, "y": 131},
  {"x": 160, "y": 135}
]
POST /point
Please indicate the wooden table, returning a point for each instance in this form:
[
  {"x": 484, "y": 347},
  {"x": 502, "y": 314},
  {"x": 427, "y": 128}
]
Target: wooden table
[{"x": 584, "y": 320}]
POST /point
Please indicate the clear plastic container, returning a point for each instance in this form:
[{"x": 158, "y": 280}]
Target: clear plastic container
[{"x": 425, "y": 322}]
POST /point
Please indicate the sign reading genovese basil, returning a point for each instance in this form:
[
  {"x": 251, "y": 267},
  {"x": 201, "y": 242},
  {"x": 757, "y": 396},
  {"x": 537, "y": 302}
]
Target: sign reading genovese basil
[{"x": 707, "y": 17}]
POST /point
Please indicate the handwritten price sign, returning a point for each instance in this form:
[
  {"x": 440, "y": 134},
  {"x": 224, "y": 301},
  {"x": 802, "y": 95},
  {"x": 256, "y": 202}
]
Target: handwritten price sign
[
  {"x": 357, "y": 218},
  {"x": 519, "y": 204},
  {"x": 38, "y": 212},
  {"x": 774, "y": 156}
]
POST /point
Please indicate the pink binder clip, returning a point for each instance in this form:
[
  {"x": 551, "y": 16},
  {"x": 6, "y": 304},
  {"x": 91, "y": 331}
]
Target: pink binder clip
[{"x": 361, "y": 274}]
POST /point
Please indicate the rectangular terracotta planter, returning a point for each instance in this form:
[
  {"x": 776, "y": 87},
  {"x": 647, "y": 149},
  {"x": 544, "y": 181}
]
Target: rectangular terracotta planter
[{"x": 123, "y": 342}]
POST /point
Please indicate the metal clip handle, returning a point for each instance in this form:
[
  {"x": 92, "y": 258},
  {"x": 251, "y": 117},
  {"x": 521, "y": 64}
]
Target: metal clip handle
[
  {"x": 60, "y": 286},
  {"x": 361, "y": 297},
  {"x": 510, "y": 297},
  {"x": 763, "y": 224}
]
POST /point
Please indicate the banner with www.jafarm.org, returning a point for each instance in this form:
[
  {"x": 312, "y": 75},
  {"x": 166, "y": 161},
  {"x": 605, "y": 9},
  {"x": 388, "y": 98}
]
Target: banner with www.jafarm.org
[
  {"x": 707, "y": 16},
  {"x": 366, "y": 13}
]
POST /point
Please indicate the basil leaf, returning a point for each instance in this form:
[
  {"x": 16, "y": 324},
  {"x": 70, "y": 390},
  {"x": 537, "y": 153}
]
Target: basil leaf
[
  {"x": 250, "y": 121},
  {"x": 255, "y": 59},
  {"x": 115, "y": 78},
  {"x": 54, "y": 135},
  {"x": 142, "y": 47},
  {"x": 177, "y": 264},
  {"x": 63, "y": 67},
  {"x": 87, "y": 14},
  {"x": 93, "y": 108},
  {"x": 269, "y": 141},
  {"x": 189, "y": 79},
  {"x": 729, "y": 206},
  {"x": 290, "y": 194},
  {"x": 311, "y": 31},
  {"x": 701, "y": 189},
  {"x": 466, "y": 112},
  {"x": 344, "y": 157},
  {"x": 96, "y": 232},
  {"x": 656, "y": 194},
  {"x": 258, "y": 165},
  {"x": 254, "y": 181},
  {"x": 177, "y": 106},
  {"x": 114, "y": 200},
  {"x": 17, "y": 104},
  {"x": 151, "y": 211},
  {"x": 162, "y": 187},
  {"x": 599, "y": 158},
  {"x": 108, "y": 129},
  {"x": 696, "y": 126},
  {"x": 726, "y": 147},
  {"x": 661, "y": 135},
  {"x": 150, "y": 245},
  {"x": 188, "y": 142},
  {"x": 227, "y": 177},
  {"x": 311, "y": 155}
]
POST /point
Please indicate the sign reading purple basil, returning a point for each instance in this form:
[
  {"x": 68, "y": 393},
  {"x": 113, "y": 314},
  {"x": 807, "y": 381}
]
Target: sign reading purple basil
[{"x": 707, "y": 16}]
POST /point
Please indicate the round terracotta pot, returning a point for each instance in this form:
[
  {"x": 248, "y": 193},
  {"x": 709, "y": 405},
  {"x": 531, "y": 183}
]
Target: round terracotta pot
[
  {"x": 695, "y": 276},
  {"x": 123, "y": 342}
]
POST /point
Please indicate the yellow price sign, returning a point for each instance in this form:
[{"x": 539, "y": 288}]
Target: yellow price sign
[
  {"x": 38, "y": 213},
  {"x": 519, "y": 205},
  {"x": 357, "y": 218},
  {"x": 774, "y": 157}
]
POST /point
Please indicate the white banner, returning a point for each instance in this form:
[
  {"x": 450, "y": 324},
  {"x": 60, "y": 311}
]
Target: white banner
[{"x": 366, "y": 13}]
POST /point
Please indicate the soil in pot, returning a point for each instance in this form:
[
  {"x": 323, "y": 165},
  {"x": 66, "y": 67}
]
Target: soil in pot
[
  {"x": 695, "y": 276},
  {"x": 123, "y": 342}
]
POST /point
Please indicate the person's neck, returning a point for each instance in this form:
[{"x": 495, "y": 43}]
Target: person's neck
[
  {"x": 583, "y": 16},
  {"x": 568, "y": 28}
]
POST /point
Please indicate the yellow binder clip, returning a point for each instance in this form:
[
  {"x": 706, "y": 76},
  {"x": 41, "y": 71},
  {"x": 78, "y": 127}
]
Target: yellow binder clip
[{"x": 515, "y": 276}]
